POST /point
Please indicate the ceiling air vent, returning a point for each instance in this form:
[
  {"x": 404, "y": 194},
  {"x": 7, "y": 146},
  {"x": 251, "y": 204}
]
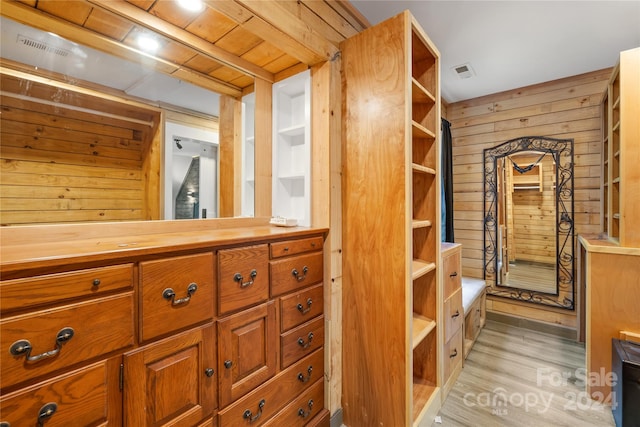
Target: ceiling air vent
[
  {"x": 463, "y": 71},
  {"x": 45, "y": 47}
]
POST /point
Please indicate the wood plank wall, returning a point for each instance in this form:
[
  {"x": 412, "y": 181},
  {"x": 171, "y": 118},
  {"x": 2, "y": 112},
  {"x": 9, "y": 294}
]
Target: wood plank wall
[
  {"x": 532, "y": 232},
  {"x": 565, "y": 108},
  {"x": 65, "y": 165}
]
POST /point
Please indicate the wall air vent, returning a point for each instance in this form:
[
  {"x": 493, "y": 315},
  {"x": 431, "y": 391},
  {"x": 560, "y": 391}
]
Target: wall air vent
[
  {"x": 42, "y": 46},
  {"x": 463, "y": 71}
]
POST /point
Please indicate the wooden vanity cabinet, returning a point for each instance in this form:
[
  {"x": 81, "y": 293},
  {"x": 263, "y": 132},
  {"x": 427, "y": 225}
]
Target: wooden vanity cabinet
[{"x": 169, "y": 337}]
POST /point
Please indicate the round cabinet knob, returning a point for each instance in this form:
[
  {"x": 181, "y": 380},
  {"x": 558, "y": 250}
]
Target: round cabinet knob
[
  {"x": 96, "y": 282},
  {"x": 209, "y": 372},
  {"x": 228, "y": 364}
]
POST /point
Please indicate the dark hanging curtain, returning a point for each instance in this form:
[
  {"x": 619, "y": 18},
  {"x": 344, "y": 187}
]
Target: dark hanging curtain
[{"x": 447, "y": 183}]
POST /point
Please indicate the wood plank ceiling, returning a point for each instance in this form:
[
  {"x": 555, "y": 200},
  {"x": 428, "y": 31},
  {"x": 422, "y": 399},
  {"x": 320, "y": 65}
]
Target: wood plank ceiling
[{"x": 222, "y": 48}]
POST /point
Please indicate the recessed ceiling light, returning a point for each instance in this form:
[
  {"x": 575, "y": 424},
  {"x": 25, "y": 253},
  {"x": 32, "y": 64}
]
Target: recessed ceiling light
[
  {"x": 191, "y": 5},
  {"x": 147, "y": 43}
]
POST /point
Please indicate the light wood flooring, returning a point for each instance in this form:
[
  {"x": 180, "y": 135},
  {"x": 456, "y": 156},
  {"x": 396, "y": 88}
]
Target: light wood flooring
[
  {"x": 519, "y": 377},
  {"x": 534, "y": 276}
]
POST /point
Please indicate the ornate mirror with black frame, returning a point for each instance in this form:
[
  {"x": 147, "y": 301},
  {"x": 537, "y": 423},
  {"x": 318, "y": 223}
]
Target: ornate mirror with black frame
[{"x": 528, "y": 221}]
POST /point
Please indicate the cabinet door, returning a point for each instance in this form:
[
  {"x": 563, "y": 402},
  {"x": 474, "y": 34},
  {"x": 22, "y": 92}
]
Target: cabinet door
[
  {"x": 172, "y": 381},
  {"x": 247, "y": 351}
]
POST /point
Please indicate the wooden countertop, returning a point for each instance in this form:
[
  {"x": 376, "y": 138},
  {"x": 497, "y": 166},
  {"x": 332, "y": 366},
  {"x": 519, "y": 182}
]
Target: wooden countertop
[
  {"x": 602, "y": 244},
  {"x": 445, "y": 247},
  {"x": 37, "y": 247}
]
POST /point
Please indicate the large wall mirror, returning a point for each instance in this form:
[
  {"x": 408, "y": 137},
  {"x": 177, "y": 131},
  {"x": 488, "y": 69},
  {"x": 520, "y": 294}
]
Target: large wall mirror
[
  {"x": 92, "y": 136},
  {"x": 528, "y": 221}
]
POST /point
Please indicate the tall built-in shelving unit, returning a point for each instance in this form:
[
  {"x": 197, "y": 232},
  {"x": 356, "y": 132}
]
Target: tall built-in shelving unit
[
  {"x": 605, "y": 163},
  {"x": 609, "y": 262},
  {"x": 621, "y": 173},
  {"x": 292, "y": 148},
  {"x": 391, "y": 232}
]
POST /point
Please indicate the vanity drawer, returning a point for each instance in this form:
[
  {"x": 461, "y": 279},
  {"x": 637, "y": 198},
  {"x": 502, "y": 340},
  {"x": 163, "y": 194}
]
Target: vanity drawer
[
  {"x": 64, "y": 336},
  {"x": 453, "y": 314},
  {"x": 293, "y": 247},
  {"x": 451, "y": 271},
  {"x": 289, "y": 274},
  {"x": 302, "y": 409},
  {"x": 52, "y": 288},
  {"x": 175, "y": 293},
  {"x": 276, "y": 393},
  {"x": 452, "y": 354},
  {"x": 300, "y": 307},
  {"x": 243, "y": 277},
  {"x": 301, "y": 341},
  {"x": 78, "y": 398}
]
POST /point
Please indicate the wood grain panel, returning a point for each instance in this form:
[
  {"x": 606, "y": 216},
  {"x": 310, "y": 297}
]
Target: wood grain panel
[{"x": 368, "y": 192}]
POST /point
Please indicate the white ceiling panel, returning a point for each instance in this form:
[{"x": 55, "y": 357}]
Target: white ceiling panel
[{"x": 512, "y": 44}]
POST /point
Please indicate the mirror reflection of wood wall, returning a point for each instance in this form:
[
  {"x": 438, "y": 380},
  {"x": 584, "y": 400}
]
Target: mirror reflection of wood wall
[
  {"x": 69, "y": 154},
  {"x": 527, "y": 222}
]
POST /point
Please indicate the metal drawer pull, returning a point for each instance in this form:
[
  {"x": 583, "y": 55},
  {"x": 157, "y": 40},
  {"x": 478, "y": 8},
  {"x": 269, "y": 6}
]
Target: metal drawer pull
[
  {"x": 304, "y": 379},
  {"x": 238, "y": 278},
  {"x": 295, "y": 273},
  {"x": 209, "y": 372},
  {"x": 454, "y": 274},
  {"x": 456, "y": 314},
  {"x": 308, "y": 343},
  {"x": 23, "y": 347},
  {"x": 96, "y": 282},
  {"x": 228, "y": 364},
  {"x": 248, "y": 415},
  {"x": 303, "y": 310},
  {"x": 170, "y": 294},
  {"x": 46, "y": 412},
  {"x": 454, "y": 354},
  {"x": 304, "y": 414}
]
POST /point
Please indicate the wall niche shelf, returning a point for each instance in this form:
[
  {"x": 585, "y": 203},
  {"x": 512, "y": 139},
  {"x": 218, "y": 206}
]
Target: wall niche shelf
[{"x": 292, "y": 148}]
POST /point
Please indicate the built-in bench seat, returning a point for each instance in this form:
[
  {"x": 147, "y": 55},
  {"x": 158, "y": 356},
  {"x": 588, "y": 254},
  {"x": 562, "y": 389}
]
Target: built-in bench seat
[{"x": 473, "y": 306}]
